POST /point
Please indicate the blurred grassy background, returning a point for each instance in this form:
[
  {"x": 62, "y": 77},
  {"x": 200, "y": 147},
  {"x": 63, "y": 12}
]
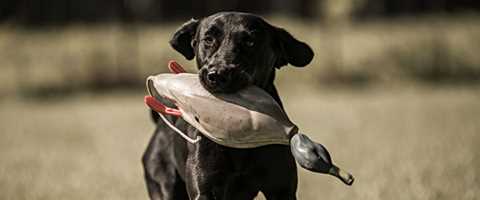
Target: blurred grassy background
[
  {"x": 395, "y": 99},
  {"x": 427, "y": 50}
]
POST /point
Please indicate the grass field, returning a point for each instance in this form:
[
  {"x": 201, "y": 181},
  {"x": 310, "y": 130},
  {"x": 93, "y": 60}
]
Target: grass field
[{"x": 400, "y": 143}]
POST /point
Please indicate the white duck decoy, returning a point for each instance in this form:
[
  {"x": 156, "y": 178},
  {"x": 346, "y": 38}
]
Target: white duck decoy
[{"x": 246, "y": 119}]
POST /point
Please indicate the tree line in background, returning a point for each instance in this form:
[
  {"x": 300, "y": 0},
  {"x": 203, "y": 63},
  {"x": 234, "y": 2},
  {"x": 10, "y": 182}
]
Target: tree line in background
[
  {"x": 120, "y": 56},
  {"x": 59, "y": 12}
]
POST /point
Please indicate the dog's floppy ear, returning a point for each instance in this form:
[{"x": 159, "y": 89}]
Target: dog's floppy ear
[
  {"x": 290, "y": 50},
  {"x": 182, "y": 39}
]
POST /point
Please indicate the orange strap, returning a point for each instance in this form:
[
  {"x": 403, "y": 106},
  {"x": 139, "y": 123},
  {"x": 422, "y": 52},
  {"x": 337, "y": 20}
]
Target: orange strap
[{"x": 156, "y": 105}]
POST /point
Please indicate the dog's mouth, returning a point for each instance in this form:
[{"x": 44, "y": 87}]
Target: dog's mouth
[{"x": 233, "y": 82}]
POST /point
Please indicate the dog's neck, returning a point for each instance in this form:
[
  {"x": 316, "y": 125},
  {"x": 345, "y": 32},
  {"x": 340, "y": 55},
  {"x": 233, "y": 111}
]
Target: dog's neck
[{"x": 270, "y": 88}]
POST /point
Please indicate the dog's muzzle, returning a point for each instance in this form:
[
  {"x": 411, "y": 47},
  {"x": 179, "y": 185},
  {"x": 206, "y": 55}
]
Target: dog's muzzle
[{"x": 224, "y": 80}]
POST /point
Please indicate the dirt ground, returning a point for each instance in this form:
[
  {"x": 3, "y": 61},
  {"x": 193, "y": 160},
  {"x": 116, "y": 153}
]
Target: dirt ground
[{"x": 409, "y": 143}]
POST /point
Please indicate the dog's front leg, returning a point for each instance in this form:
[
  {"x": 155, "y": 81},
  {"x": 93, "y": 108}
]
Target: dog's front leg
[
  {"x": 206, "y": 169},
  {"x": 197, "y": 187}
]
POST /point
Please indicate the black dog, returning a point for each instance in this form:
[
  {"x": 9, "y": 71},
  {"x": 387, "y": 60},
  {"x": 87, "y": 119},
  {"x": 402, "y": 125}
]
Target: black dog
[{"x": 232, "y": 50}]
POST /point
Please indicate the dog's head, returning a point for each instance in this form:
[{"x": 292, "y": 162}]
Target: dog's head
[{"x": 235, "y": 49}]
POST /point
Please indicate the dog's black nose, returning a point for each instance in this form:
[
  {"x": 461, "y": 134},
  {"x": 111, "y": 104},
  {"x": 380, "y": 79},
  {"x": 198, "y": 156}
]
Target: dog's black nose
[
  {"x": 216, "y": 77},
  {"x": 212, "y": 76}
]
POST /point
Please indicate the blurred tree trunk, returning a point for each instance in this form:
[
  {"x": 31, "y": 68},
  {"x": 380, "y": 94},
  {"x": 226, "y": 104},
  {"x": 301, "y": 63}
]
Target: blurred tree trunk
[
  {"x": 285, "y": 7},
  {"x": 127, "y": 49}
]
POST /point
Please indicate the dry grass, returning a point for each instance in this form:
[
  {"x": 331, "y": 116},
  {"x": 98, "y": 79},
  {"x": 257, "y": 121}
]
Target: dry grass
[{"x": 417, "y": 143}]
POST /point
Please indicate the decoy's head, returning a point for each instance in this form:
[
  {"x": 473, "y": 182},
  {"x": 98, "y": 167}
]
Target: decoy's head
[{"x": 315, "y": 157}]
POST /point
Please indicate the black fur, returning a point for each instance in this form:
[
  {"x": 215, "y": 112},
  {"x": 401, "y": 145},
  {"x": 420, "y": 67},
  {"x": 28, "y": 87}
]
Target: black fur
[{"x": 232, "y": 50}]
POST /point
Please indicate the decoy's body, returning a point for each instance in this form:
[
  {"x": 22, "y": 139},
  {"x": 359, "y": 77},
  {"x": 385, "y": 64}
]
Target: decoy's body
[{"x": 246, "y": 119}]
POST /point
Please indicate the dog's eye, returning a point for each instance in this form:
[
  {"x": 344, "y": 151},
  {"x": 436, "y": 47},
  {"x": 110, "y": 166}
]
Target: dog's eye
[
  {"x": 249, "y": 43},
  {"x": 208, "y": 40}
]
